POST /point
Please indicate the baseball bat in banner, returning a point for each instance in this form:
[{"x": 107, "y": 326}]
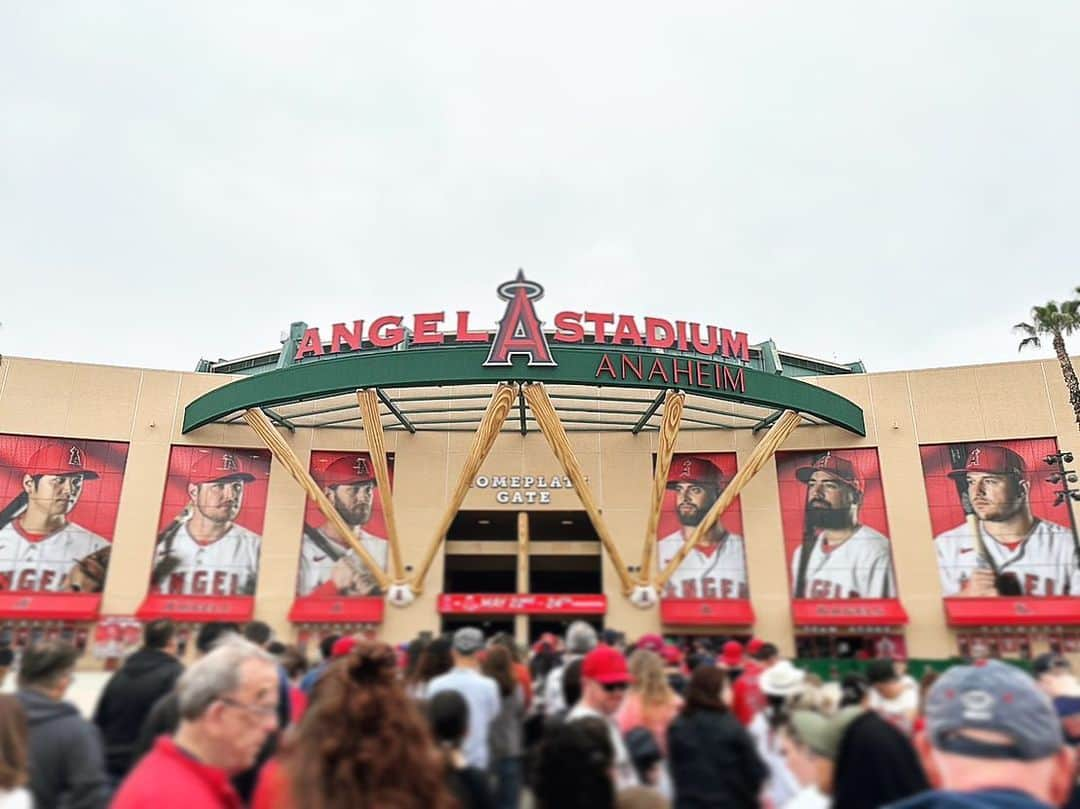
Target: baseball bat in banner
[{"x": 13, "y": 509}]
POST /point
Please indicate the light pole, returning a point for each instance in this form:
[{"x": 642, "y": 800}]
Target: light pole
[{"x": 1062, "y": 476}]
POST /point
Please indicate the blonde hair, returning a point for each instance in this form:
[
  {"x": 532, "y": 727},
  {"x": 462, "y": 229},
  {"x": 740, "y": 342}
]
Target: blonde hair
[{"x": 650, "y": 680}]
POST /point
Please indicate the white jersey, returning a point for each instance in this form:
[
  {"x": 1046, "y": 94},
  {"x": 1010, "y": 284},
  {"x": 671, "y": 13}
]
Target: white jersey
[
  {"x": 1045, "y": 563},
  {"x": 316, "y": 564},
  {"x": 860, "y": 567},
  {"x": 226, "y": 567},
  {"x": 40, "y": 563},
  {"x": 718, "y": 571}
]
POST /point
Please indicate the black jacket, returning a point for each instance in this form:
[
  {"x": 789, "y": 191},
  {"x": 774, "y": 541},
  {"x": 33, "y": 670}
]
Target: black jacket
[
  {"x": 125, "y": 703},
  {"x": 67, "y": 765},
  {"x": 713, "y": 762}
]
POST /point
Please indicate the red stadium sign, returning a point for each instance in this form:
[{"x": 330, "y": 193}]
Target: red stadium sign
[
  {"x": 997, "y": 611},
  {"x": 848, "y": 612},
  {"x": 346, "y": 609},
  {"x": 197, "y": 608},
  {"x": 50, "y": 606},
  {"x": 526, "y": 604},
  {"x": 520, "y": 332},
  {"x": 706, "y": 612}
]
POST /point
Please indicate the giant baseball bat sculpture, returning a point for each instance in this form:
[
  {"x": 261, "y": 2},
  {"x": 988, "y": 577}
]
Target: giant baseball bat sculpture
[
  {"x": 497, "y": 410},
  {"x": 287, "y": 458},
  {"x": 550, "y": 425},
  {"x": 669, "y": 431},
  {"x": 369, "y": 414},
  {"x": 781, "y": 429}
]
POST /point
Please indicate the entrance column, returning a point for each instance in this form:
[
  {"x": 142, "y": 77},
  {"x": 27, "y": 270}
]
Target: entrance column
[{"x": 521, "y": 622}]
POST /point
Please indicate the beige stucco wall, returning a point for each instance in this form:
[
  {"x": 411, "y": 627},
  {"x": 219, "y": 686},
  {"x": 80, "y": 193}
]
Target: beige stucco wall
[{"x": 903, "y": 410}]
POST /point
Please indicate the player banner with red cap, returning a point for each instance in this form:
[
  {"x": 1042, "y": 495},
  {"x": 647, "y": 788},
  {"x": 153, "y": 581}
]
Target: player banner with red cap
[
  {"x": 328, "y": 569},
  {"x": 999, "y": 528},
  {"x": 58, "y": 504},
  {"x": 716, "y": 568},
  {"x": 210, "y": 530},
  {"x": 836, "y": 534}
]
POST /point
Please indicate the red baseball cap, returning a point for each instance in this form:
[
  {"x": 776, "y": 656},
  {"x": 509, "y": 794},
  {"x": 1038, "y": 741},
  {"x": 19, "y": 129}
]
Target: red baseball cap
[
  {"x": 215, "y": 465},
  {"x": 347, "y": 471},
  {"x": 838, "y": 466},
  {"x": 731, "y": 654},
  {"x": 671, "y": 655},
  {"x": 342, "y": 646},
  {"x": 59, "y": 459},
  {"x": 692, "y": 469},
  {"x": 605, "y": 665},
  {"x": 992, "y": 460},
  {"x": 754, "y": 646},
  {"x": 652, "y": 642}
]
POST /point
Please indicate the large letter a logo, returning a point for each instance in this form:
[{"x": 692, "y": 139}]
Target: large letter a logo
[{"x": 519, "y": 330}]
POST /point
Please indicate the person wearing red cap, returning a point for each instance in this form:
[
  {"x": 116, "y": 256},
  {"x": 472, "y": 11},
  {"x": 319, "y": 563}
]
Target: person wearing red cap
[
  {"x": 605, "y": 678},
  {"x": 839, "y": 556},
  {"x": 716, "y": 568},
  {"x": 41, "y": 548},
  {"x": 327, "y": 563},
  {"x": 205, "y": 551},
  {"x": 1025, "y": 555}
]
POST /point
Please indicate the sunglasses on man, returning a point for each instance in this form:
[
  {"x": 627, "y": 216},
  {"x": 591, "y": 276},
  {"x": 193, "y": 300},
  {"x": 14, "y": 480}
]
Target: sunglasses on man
[{"x": 611, "y": 688}]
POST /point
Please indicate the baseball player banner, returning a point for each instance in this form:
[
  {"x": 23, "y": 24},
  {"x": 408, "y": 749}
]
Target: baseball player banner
[
  {"x": 997, "y": 529},
  {"x": 836, "y": 534},
  {"x": 328, "y": 566},
  {"x": 716, "y": 568},
  {"x": 58, "y": 503},
  {"x": 209, "y": 533}
]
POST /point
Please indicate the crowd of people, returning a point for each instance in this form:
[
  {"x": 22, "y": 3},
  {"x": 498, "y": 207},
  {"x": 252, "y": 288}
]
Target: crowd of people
[{"x": 466, "y": 721}]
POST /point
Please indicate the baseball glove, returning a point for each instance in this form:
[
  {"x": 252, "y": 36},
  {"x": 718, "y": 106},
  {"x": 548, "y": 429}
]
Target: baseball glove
[{"x": 88, "y": 575}]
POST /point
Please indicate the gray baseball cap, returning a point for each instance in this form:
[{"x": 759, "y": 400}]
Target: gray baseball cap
[
  {"x": 992, "y": 696},
  {"x": 468, "y": 640}
]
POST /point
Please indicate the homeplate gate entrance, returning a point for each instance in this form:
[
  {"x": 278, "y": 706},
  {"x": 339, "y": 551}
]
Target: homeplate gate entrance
[{"x": 593, "y": 372}]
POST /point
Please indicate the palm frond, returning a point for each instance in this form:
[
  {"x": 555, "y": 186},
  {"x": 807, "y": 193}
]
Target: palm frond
[
  {"x": 1025, "y": 328},
  {"x": 1034, "y": 342}
]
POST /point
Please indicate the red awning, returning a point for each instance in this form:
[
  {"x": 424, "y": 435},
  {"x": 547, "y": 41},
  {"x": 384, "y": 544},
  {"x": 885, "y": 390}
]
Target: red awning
[
  {"x": 521, "y": 604},
  {"x": 197, "y": 608},
  {"x": 706, "y": 612},
  {"x": 1012, "y": 611},
  {"x": 848, "y": 612},
  {"x": 353, "y": 610},
  {"x": 50, "y": 606}
]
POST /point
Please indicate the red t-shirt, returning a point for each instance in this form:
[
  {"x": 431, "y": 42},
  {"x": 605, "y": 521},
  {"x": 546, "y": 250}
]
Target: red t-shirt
[
  {"x": 747, "y": 697},
  {"x": 169, "y": 778}
]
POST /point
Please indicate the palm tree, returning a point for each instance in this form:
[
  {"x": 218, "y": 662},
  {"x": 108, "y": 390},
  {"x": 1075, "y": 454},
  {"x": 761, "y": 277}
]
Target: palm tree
[{"x": 1055, "y": 321}]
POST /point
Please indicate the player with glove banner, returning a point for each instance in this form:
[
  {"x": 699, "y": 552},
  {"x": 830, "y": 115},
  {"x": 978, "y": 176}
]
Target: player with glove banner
[
  {"x": 328, "y": 566},
  {"x": 41, "y": 548}
]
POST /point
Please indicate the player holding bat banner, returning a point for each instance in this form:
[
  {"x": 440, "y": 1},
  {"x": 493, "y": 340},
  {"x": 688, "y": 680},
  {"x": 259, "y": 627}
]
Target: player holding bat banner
[
  {"x": 839, "y": 557},
  {"x": 41, "y": 549},
  {"x": 328, "y": 566},
  {"x": 1002, "y": 548},
  {"x": 203, "y": 551},
  {"x": 716, "y": 567}
]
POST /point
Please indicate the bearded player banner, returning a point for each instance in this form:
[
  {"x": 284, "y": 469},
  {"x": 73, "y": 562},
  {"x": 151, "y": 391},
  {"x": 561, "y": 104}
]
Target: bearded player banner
[
  {"x": 209, "y": 533},
  {"x": 328, "y": 566},
  {"x": 996, "y": 527},
  {"x": 836, "y": 535},
  {"x": 716, "y": 568},
  {"x": 58, "y": 503}
]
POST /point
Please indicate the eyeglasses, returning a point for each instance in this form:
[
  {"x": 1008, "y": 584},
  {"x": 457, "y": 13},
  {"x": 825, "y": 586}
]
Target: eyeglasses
[
  {"x": 611, "y": 688},
  {"x": 261, "y": 711}
]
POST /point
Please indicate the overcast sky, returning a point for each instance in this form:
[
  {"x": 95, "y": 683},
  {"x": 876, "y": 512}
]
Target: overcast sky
[{"x": 892, "y": 182}]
